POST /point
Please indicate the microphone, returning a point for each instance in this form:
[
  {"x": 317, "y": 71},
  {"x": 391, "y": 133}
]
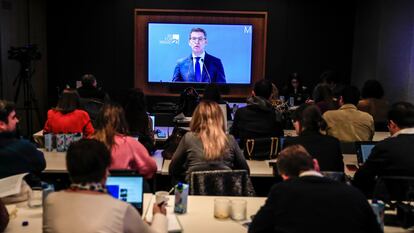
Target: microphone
[{"x": 205, "y": 67}]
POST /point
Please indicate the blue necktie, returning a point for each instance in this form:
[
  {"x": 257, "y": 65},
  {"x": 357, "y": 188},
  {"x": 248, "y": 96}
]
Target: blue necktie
[{"x": 197, "y": 70}]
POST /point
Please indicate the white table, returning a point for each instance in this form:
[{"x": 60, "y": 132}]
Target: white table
[
  {"x": 199, "y": 217},
  {"x": 378, "y": 136},
  {"x": 200, "y": 214},
  {"x": 56, "y": 161},
  {"x": 262, "y": 168},
  {"x": 257, "y": 168}
]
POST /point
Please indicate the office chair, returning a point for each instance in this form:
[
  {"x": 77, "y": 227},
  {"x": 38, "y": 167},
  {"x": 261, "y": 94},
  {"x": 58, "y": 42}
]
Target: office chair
[
  {"x": 221, "y": 183},
  {"x": 261, "y": 148},
  {"x": 337, "y": 176},
  {"x": 92, "y": 107},
  {"x": 398, "y": 193}
]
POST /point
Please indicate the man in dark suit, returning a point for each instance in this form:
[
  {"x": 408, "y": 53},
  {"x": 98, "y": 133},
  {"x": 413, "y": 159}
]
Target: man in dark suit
[
  {"x": 258, "y": 119},
  {"x": 392, "y": 156},
  {"x": 308, "y": 202},
  {"x": 199, "y": 66}
]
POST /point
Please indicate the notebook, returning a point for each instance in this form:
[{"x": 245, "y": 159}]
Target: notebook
[
  {"x": 174, "y": 224},
  {"x": 363, "y": 150},
  {"x": 128, "y": 187}
]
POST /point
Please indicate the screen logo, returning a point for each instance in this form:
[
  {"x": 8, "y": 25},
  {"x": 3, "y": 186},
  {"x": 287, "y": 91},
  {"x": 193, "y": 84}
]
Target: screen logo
[
  {"x": 171, "y": 39},
  {"x": 247, "y": 30}
]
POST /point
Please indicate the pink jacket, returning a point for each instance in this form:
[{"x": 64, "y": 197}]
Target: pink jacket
[{"x": 128, "y": 153}]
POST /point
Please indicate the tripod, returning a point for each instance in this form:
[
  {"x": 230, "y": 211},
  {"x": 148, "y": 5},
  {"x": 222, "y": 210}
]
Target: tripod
[{"x": 23, "y": 81}]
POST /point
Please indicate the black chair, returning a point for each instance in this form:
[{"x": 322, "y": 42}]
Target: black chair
[
  {"x": 348, "y": 148},
  {"x": 221, "y": 183},
  {"x": 337, "y": 176},
  {"x": 92, "y": 107},
  {"x": 398, "y": 193},
  {"x": 164, "y": 119}
]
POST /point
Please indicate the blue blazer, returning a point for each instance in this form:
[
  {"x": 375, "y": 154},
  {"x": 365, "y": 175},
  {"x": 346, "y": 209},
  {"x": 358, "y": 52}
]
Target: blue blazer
[{"x": 184, "y": 71}]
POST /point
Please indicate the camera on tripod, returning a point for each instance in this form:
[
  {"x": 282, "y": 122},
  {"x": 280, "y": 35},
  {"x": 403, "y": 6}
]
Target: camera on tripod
[{"x": 25, "y": 53}]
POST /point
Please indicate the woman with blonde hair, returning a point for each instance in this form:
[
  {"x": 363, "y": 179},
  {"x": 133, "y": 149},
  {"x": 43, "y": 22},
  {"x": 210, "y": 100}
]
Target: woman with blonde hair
[
  {"x": 126, "y": 152},
  {"x": 206, "y": 146}
]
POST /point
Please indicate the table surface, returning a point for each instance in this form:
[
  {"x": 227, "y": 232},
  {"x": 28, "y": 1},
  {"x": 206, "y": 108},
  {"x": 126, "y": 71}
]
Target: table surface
[
  {"x": 56, "y": 161},
  {"x": 262, "y": 168},
  {"x": 199, "y": 217}
]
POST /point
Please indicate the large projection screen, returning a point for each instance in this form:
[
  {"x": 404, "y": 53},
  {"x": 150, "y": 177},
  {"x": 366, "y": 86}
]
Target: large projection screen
[{"x": 145, "y": 16}]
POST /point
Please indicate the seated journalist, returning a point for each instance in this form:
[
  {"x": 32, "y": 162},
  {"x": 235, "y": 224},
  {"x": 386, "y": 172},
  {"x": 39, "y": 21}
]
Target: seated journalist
[
  {"x": 17, "y": 155},
  {"x": 199, "y": 66},
  {"x": 392, "y": 156},
  {"x": 86, "y": 206},
  {"x": 308, "y": 202}
]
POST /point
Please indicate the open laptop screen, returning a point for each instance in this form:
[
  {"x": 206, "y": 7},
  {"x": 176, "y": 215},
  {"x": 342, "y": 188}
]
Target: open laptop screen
[
  {"x": 363, "y": 150},
  {"x": 153, "y": 122},
  {"x": 128, "y": 188}
]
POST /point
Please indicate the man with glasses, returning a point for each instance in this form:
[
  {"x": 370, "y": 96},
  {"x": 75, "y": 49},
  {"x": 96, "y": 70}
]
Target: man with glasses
[
  {"x": 16, "y": 156},
  {"x": 199, "y": 67},
  {"x": 392, "y": 156}
]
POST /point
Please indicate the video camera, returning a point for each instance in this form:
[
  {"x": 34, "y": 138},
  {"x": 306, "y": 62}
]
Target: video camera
[{"x": 26, "y": 53}]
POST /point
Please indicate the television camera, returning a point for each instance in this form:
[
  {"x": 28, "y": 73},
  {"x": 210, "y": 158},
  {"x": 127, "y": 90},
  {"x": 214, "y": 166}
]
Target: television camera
[{"x": 25, "y": 53}]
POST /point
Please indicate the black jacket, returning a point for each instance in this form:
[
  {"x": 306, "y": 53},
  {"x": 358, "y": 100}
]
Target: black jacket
[
  {"x": 314, "y": 204},
  {"x": 256, "y": 120},
  {"x": 326, "y": 149},
  {"x": 19, "y": 156},
  {"x": 390, "y": 157}
]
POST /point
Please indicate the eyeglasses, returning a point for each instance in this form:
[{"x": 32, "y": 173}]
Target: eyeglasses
[{"x": 194, "y": 39}]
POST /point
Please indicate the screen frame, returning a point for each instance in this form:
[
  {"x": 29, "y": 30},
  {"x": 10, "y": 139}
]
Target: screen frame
[
  {"x": 359, "y": 151},
  {"x": 144, "y": 16},
  {"x": 129, "y": 174}
]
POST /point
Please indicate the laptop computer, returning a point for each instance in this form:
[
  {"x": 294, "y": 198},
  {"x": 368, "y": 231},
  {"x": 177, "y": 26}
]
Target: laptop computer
[
  {"x": 363, "y": 150},
  {"x": 153, "y": 122},
  {"x": 127, "y": 186}
]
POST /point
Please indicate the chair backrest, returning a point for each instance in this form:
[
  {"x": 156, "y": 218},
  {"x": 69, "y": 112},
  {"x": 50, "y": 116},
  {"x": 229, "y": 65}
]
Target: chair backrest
[
  {"x": 164, "y": 119},
  {"x": 394, "y": 188},
  {"x": 92, "y": 107},
  {"x": 261, "y": 148},
  {"x": 337, "y": 176},
  {"x": 348, "y": 147},
  {"x": 221, "y": 183}
]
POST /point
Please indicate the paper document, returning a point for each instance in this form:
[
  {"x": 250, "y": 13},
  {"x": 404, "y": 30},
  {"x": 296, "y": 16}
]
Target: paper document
[
  {"x": 173, "y": 222},
  {"x": 11, "y": 185}
]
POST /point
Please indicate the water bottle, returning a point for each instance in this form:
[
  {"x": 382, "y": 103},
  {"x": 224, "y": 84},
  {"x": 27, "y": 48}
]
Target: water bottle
[
  {"x": 48, "y": 137},
  {"x": 60, "y": 142},
  {"x": 47, "y": 189},
  {"x": 378, "y": 208},
  {"x": 181, "y": 196},
  {"x": 291, "y": 101}
]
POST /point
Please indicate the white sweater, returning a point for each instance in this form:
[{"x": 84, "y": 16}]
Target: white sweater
[{"x": 67, "y": 212}]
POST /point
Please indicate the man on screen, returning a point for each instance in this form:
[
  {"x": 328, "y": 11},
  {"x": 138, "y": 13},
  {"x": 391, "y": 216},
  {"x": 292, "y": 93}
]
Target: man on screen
[{"x": 199, "y": 66}]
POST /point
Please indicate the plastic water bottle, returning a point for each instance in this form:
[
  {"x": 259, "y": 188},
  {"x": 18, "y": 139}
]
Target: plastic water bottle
[{"x": 181, "y": 196}]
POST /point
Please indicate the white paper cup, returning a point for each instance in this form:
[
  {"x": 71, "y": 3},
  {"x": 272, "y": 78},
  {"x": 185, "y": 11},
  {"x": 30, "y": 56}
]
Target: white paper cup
[
  {"x": 221, "y": 208},
  {"x": 161, "y": 196},
  {"x": 238, "y": 209}
]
